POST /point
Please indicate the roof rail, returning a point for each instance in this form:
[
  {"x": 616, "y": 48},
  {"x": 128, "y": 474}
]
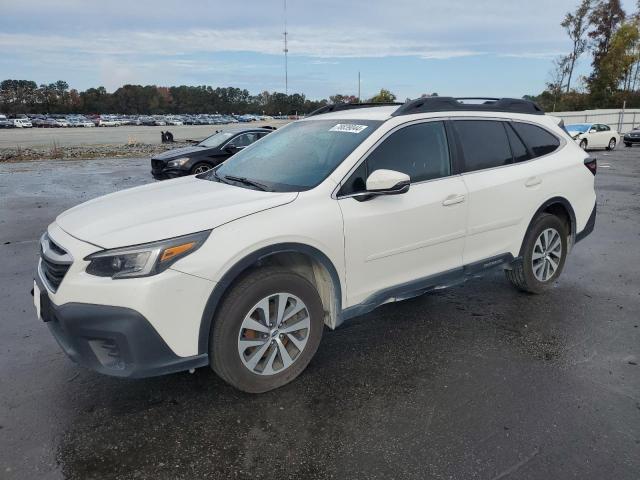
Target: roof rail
[
  {"x": 349, "y": 106},
  {"x": 451, "y": 104}
]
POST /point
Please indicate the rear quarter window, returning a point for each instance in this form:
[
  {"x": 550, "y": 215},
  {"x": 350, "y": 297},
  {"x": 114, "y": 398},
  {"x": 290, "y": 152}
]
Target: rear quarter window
[{"x": 539, "y": 141}]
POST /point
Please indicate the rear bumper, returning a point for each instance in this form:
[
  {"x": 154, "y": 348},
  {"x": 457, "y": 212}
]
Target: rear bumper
[
  {"x": 115, "y": 341},
  {"x": 591, "y": 223}
]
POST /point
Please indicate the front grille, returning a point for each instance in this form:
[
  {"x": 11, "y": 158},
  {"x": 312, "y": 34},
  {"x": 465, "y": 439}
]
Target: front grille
[
  {"x": 157, "y": 164},
  {"x": 54, "y": 262},
  {"x": 53, "y": 273}
]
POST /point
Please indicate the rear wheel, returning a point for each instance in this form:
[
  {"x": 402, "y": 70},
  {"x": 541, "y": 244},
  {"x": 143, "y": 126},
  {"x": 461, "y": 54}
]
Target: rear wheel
[
  {"x": 267, "y": 330},
  {"x": 612, "y": 144},
  {"x": 543, "y": 255},
  {"x": 200, "y": 168},
  {"x": 583, "y": 144}
]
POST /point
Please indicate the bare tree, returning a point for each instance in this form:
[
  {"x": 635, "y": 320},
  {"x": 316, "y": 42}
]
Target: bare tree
[
  {"x": 557, "y": 77},
  {"x": 576, "y": 24}
]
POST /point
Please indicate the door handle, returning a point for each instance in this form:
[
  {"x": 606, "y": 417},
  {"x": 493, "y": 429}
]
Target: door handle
[
  {"x": 453, "y": 199},
  {"x": 533, "y": 181}
]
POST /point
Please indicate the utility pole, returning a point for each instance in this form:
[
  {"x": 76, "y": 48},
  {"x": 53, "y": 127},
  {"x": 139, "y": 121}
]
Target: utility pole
[
  {"x": 286, "y": 51},
  {"x": 359, "y": 101}
]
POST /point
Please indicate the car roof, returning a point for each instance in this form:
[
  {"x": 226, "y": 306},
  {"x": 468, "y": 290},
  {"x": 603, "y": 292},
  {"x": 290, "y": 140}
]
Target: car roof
[{"x": 386, "y": 113}]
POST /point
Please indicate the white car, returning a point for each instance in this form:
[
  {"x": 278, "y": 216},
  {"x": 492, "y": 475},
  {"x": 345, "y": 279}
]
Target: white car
[
  {"x": 60, "y": 122},
  {"x": 593, "y": 135},
  {"x": 241, "y": 267},
  {"x": 21, "y": 123}
]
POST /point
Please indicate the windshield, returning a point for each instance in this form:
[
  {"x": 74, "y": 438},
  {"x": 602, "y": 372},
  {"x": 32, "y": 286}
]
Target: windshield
[
  {"x": 216, "y": 139},
  {"x": 299, "y": 156},
  {"x": 579, "y": 127}
]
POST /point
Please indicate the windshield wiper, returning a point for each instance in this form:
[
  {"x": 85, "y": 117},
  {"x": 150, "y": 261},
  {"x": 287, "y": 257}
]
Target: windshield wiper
[
  {"x": 246, "y": 181},
  {"x": 219, "y": 178}
]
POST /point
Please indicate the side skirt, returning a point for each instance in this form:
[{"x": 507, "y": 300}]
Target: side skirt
[{"x": 426, "y": 284}]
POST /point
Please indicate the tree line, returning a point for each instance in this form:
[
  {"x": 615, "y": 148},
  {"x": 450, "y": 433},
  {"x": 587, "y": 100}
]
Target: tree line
[
  {"x": 602, "y": 30},
  {"x": 25, "y": 96}
]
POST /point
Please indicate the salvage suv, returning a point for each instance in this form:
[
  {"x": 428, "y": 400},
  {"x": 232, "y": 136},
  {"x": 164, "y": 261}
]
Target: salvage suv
[{"x": 243, "y": 266}]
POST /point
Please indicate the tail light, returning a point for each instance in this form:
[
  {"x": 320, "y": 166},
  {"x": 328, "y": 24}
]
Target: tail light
[{"x": 591, "y": 164}]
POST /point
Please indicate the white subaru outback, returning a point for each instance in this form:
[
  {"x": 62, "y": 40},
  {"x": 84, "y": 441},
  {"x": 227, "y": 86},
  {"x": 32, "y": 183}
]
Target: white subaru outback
[{"x": 240, "y": 268}]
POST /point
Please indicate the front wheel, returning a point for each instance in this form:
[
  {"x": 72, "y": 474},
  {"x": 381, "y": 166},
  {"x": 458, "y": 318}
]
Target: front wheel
[
  {"x": 200, "y": 168},
  {"x": 267, "y": 330},
  {"x": 626, "y": 144},
  {"x": 583, "y": 144},
  {"x": 544, "y": 252},
  {"x": 612, "y": 144}
]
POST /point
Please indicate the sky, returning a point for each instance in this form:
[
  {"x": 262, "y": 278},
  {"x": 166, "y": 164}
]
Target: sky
[{"x": 458, "y": 48}]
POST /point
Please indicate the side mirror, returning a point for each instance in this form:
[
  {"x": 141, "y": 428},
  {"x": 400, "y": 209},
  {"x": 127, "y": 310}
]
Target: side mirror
[
  {"x": 387, "y": 182},
  {"x": 593, "y": 130},
  {"x": 231, "y": 148}
]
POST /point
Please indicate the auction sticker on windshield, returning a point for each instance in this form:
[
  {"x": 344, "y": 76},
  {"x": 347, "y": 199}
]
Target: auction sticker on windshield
[{"x": 348, "y": 128}]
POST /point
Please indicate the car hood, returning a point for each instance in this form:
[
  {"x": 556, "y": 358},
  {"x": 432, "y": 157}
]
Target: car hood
[
  {"x": 179, "y": 152},
  {"x": 164, "y": 210}
]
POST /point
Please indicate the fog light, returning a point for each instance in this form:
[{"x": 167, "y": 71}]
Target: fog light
[{"x": 108, "y": 353}]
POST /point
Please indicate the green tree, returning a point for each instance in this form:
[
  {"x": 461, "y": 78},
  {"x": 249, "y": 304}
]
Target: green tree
[
  {"x": 384, "y": 96},
  {"x": 605, "y": 17}
]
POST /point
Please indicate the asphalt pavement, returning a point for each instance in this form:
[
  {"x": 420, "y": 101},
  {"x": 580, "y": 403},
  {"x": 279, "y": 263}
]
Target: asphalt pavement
[{"x": 475, "y": 382}]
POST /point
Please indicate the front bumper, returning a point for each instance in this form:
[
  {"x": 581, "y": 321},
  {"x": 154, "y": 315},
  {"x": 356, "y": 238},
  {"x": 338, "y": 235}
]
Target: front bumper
[
  {"x": 627, "y": 139},
  {"x": 162, "y": 311},
  {"x": 162, "y": 172},
  {"x": 115, "y": 341}
]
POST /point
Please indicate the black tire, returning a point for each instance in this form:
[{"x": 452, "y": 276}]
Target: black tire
[
  {"x": 521, "y": 275},
  {"x": 612, "y": 144},
  {"x": 583, "y": 144},
  {"x": 627, "y": 144},
  {"x": 199, "y": 168},
  {"x": 249, "y": 290}
]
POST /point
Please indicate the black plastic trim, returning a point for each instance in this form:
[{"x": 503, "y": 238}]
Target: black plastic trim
[
  {"x": 349, "y": 106},
  {"x": 251, "y": 259},
  {"x": 451, "y": 104},
  {"x": 589, "y": 227},
  {"x": 565, "y": 203},
  {"x": 426, "y": 284},
  {"x": 141, "y": 349}
]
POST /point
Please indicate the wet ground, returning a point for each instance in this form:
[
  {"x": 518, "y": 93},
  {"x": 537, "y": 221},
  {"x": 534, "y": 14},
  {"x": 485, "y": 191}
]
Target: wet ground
[{"x": 475, "y": 382}]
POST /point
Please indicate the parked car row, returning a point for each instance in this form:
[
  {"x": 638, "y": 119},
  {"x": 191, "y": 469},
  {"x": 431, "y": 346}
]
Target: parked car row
[{"x": 75, "y": 120}]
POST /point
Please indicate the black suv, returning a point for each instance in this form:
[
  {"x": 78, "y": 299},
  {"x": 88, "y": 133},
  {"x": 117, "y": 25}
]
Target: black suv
[{"x": 205, "y": 155}]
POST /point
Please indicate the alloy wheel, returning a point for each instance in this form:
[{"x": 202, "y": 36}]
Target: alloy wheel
[
  {"x": 201, "y": 169},
  {"x": 273, "y": 334},
  {"x": 547, "y": 253}
]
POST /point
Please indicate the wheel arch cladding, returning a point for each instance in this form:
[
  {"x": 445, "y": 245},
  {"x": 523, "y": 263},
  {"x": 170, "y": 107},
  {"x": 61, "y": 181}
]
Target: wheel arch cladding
[
  {"x": 560, "y": 207},
  {"x": 303, "y": 259}
]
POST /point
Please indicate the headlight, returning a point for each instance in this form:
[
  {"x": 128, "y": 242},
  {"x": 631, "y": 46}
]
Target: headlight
[
  {"x": 178, "y": 162},
  {"x": 144, "y": 260}
]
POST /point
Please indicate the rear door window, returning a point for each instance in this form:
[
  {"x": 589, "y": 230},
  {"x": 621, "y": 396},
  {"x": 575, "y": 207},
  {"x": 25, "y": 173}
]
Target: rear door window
[
  {"x": 540, "y": 141},
  {"x": 484, "y": 144}
]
